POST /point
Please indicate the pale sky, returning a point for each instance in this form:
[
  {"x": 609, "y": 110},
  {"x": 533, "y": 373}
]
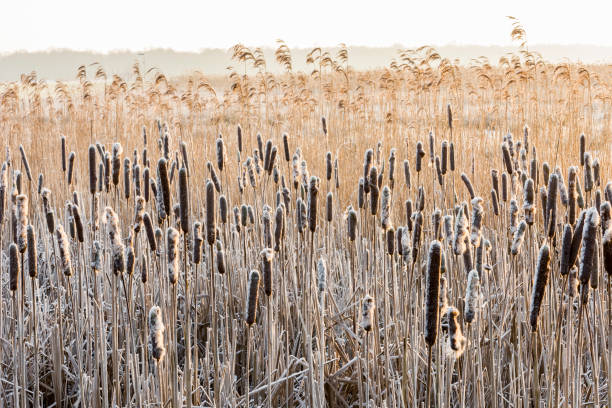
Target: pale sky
[{"x": 35, "y": 25}]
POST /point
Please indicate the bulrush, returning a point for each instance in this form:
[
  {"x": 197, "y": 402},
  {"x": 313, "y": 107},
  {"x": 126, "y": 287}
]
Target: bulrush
[
  {"x": 589, "y": 246},
  {"x": 114, "y": 233},
  {"x": 566, "y": 250},
  {"x": 420, "y": 153},
  {"x": 432, "y": 293},
  {"x": 461, "y": 233},
  {"x": 367, "y": 313},
  {"x": 251, "y": 304},
  {"x": 156, "y": 330},
  {"x": 184, "y": 200},
  {"x": 14, "y": 268},
  {"x": 539, "y": 286},
  {"x": 385, "y": 208},
  {"x": 457, "y": 340},
  {"x": 519, "y": 237},
  {"x": 64, "y": 250},
  {"x": 472, "y": 297},
  {"x": 21, "y": 216},
  {"x": 477, "y": 213},
  {"x": 529, "y": 202},
  {"x": 172, "y": 238}
]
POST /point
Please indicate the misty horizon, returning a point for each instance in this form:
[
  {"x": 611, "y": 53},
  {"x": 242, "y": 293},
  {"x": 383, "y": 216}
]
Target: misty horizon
[{"x": 62, "y": 63}]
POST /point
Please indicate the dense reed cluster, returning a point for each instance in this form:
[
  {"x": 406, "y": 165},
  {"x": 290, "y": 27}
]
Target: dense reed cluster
[{"x": 195, "y": 245}]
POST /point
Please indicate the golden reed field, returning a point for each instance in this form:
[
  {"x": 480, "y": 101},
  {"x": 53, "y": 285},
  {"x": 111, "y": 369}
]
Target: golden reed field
[{"x": 426, "y": 234}]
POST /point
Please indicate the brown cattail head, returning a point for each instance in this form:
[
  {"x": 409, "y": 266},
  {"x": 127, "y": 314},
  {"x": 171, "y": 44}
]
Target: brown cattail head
[
  {"x": 64, "y": 250},
  {"x": 432, "y": 147},
  {"x": 239, "y": 137},
  {"x": 539, "y": 286},
  {"x": 452, "y": 156},
  {"x": 461, "y": 233},
  {"x": 197, "y": 243},
  {"x": 14, "y": 267},
  {"x": 313, "y": 189},
  {"x": 32, "y": 257},
  {"x": 566, "y": 249},
  {"x": 220, "y": 153},
  {"x": 210, "y": 213},
  {"x": 148, "y": 224},
  {"x": 361, "y": 194},
  {"x": 21, "y": 217},
  {"x": 220, "y": 257},
  {"x": 589, "y": 245},
  {"x": 582, "y": 148},
  {"x": 130, "y": 256},
  {"x": 529, "y": 202},
  {"x": 184, "y": 200},
  {"x": 519, "y": 238},
  {"x": 163, "y": 189},
  {"x": 407, "y": 173},
  {"x": 606, "y": 243},
  {"x": 477, "y": 214},
  {"x": 172, "y": 239},
  {"x": 472, "y": 297},
  {"x": 328, "y": 166},
  {"x": 417, "y": 220},
  {"x": 367, "y": 163},
  {"x": 267, "y": 256},
  {"x": 507, "y": 157},
  {"x": 468, "y": 185},
  {"x": 126, "y": 177},
  {"x": 63, "y": 148},
  {"x": 504, "y": 179},
  {"x": 78, "y": 223},
  {"x": 253, "y": 290},
  {"x": 116, "y": 162},
  {"x": 551, "y": 205},
  {"x": 420, "y": 153},
  {"x": 367, "y": 313},
  {"x": 156, "y": 328},
  {"x": 385, "y": 208},
  {"x": 390, "y": 240},
  {"x": 351, "y": 224},
  {"x": 286, "y": 147},
  {"x": 279, "y": 227},
  {"x": 432, "y": 293},
  {"x": 329, "y": 207}
]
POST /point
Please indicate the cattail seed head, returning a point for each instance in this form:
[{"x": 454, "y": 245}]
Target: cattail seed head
[
  {"x": 313, "y": 189},
  {"x": 267, "y": 256},
  {"x": 253, "y": 290},
  {"x": 32, "y": 257},
  {"x": 156, "y": 328},
  {"x": 71, "y": 158},
  {"x": 220, "y": 153},
  {"x": 477, "y": 214},
  {"x": 26, "y": 165},
  {"x": 78, "y": 223},
  {"x": 504, "y": 179},
  {"x": 417, "y": 219},
  {"x": 432, "y": 293},
  {"x": 566, "y": 249},
  {"x": 172, "y": 239},
  {"x": 329, "y": 209},
  {"x": 472, "y": 297},
  {"x": 184, "y": 200},
  {"x": 452, "y": 156},
  {"x": 468, "y": 185},
  {"x": 507, "y": 157},
  {"x": 64, "y": 250},
  {"x": 539, "y": 286},
  {"x": 589, "y": 245},
  {"x": 461, "y": 233},
  {"x": 407, "y": 173},
  {"x": 21, "y": 216},
  {"x": 420, "y": 153},
  {"x": 582, "y": 148},
  {"x": 14, "y": 267},
  {"x": 63, "y": 148},
  {"x": 367, "y": 313},
  {"x": 210, "y": 213},
  {"x": 519, "y": 237}
]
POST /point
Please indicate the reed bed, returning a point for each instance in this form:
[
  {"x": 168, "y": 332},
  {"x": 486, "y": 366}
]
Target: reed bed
[{"x": 191, "y": 245}]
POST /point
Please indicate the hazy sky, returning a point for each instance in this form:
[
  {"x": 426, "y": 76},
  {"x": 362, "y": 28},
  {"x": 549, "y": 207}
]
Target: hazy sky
[{"x": 192, "y": 25}]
